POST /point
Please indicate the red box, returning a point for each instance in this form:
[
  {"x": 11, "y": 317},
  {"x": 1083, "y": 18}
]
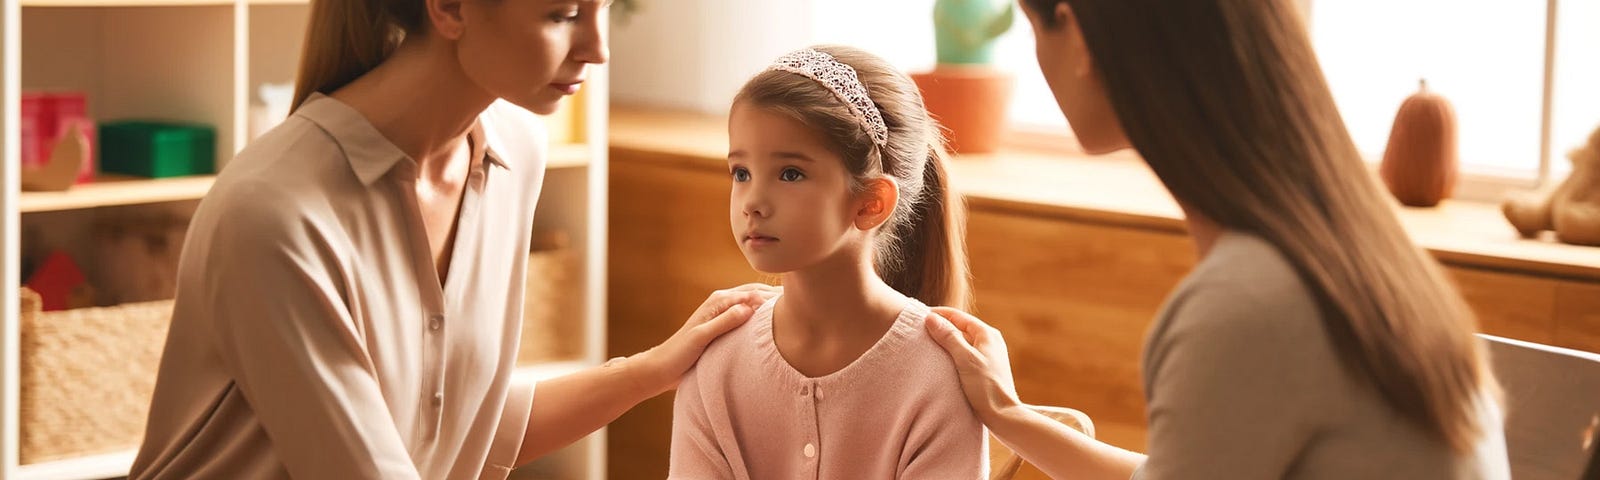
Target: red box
[{"x": 45, "y": 118}]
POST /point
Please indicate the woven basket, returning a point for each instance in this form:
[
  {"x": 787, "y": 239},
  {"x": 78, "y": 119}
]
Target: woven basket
[
  {"x": 87, "y": 377},
  {"x": 552, "y": 311}
]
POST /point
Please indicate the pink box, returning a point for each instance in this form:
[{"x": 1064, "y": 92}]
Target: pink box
[{"x": 46, "y": 117}]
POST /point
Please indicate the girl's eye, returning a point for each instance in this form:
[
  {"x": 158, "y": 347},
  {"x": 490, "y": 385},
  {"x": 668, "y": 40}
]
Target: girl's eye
[
  {"x": 791, "y": 175},
  {"x": 741, "y": 175}
]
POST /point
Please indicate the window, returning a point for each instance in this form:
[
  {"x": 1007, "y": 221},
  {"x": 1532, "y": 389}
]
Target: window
[
  {"x": 1487, "y": 57},
  {"x": 1575, "y": 111}
]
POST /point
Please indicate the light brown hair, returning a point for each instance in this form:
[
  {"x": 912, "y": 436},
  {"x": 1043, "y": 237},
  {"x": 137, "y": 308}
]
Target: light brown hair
[
  {"x": 921, "y": 249},
  {"x": 348, "y": 38},
  {"x": 1226, "y": 102}
]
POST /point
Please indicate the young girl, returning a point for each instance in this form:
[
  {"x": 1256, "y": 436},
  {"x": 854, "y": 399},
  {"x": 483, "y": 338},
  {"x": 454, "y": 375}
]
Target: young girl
[{"x": 839, "y": 186}]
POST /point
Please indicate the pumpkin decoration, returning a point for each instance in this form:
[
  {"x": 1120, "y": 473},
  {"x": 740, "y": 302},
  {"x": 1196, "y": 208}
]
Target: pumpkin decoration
[{"x": 1420, "y": 163}]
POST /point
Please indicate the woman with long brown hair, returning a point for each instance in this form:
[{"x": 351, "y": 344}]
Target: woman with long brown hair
[
  {"x": 349, "y": 298},
  {"x": 1313, "y": 340}
]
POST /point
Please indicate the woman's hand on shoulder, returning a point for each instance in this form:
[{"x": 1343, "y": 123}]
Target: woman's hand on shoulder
[
  {"x": 981, "y": 360},
  {"x": 660, "y": 368}
]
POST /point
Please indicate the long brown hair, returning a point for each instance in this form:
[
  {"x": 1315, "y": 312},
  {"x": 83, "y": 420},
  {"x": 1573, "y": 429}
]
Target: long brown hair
[
  {"x": 348, "y": 38},
  {"x": 921, "y": 250},
  {"x": 1226, "y": 102}
]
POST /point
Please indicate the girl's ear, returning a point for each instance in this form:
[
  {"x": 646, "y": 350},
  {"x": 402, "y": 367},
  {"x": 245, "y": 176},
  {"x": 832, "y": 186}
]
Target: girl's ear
[{"x": 876, "y": 203}]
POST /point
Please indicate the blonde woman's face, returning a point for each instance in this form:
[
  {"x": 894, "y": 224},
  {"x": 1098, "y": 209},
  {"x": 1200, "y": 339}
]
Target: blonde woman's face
[
  {"x": 1069, "y": 70},
  {"x": 532, "y": 53},
  {"x": 790, "y": 205}
]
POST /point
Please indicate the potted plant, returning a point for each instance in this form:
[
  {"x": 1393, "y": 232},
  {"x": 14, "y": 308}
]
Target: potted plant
[{"x": 964, "y": 91}]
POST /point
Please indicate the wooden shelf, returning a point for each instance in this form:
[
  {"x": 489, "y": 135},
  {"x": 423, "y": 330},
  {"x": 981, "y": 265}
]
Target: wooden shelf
[
  {"x": 153, "y": 3},
  {"x": 126, "y": 3},
  {"x": 97, "y": 466},
  {"x": 116, "y": 190}
]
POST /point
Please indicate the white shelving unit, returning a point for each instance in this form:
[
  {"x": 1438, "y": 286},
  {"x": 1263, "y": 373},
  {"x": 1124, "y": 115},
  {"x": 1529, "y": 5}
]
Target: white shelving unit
[{"x": 203, "y": 61}]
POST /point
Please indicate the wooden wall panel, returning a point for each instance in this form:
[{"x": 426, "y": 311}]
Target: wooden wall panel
[
  {"x": 1076, "y": 305},
  {"x": 670, "y": 247},
  {"x": 1578, "y": 315},
  {"x": 1509, "y": 305}
]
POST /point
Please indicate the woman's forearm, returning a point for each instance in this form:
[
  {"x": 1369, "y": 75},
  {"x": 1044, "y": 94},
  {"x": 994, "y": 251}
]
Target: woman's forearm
[
  {"x": 1058, "y": 450},
  {"x": 568, "y": 408}
]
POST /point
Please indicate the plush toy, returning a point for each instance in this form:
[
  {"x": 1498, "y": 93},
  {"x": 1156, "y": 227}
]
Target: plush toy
[{"x": 1572, "y": 209}]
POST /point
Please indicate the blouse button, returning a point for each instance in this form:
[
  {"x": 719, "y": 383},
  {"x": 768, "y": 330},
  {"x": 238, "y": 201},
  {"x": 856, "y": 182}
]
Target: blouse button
[
  {"x": 435, "y": 322},
  {"x": 811, "y": 450},
  {"x": 438, "y": 399}
]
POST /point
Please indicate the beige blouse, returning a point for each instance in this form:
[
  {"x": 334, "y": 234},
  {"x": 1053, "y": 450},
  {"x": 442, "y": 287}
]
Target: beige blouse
[{"x": 311, "y": 337}]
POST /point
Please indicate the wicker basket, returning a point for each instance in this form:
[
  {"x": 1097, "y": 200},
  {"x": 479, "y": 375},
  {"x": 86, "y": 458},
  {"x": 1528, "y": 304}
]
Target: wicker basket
[
  {"x": 552, "y": 312},
  {"x": 87, "y": 377}
]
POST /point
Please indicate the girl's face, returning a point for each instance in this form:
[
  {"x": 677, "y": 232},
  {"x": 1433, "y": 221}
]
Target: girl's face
[
  {"x": 791, "y": 204},
  {"x": 531, "y": 53}
]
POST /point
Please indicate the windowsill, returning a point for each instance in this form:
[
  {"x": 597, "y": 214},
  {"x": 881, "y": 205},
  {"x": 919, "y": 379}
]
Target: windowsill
[{"x": 1118, "y": 189}]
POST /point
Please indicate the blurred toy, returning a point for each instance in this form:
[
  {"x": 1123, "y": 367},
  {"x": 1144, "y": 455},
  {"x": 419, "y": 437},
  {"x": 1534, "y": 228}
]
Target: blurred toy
[
  {"x": 158, "y": 149},
  {"x": 135, "y": 258},
  {"x": 61, "y": 284},
  {"x": 62, "y": 169},
  {"x": 1572, "y": 208},
  {"x": 45, "y": 120}
]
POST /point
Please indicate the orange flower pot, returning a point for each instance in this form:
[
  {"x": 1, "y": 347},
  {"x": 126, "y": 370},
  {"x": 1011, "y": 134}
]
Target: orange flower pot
[{"x": 970, "y": 102}]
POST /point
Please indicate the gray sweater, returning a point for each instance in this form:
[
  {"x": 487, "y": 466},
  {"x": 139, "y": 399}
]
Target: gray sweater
[{"x": 1243, "y": 382}]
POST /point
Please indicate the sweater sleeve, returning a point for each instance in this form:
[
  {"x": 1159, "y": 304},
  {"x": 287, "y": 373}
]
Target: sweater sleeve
[
  {"x": 695, "y": 453},
  {"x": 947, "y": 440}
]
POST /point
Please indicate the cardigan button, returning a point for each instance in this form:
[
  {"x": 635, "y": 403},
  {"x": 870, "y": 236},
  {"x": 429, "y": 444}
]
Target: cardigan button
[{"x": 811, "y": 450}]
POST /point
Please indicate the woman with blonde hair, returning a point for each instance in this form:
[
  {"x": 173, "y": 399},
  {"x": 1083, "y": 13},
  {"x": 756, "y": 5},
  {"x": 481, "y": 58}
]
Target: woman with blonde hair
[{"x": 1313, "y": 340}]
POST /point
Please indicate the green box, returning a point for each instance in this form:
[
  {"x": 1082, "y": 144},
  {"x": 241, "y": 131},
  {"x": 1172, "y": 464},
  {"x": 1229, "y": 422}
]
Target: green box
[{"x": 157, "y": 149}]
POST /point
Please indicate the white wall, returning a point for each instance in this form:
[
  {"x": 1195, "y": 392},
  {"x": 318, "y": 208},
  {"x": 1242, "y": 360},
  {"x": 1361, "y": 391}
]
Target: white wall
[{"x": 694, "y": 54}]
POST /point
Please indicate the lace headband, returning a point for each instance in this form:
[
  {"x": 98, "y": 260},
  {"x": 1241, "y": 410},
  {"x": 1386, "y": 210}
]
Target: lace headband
[{"x": 841, "y": 79}]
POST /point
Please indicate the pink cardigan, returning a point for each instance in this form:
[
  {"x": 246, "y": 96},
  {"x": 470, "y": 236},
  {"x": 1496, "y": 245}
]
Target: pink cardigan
[{"x": 897, "y": 412}]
